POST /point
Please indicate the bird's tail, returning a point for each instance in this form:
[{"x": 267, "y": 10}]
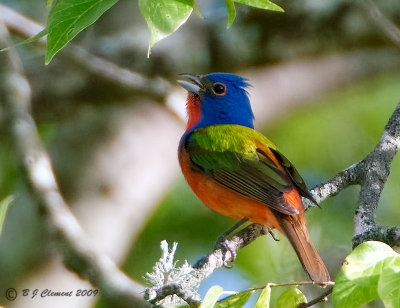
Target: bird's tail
[{"x": 295, "y": 229}]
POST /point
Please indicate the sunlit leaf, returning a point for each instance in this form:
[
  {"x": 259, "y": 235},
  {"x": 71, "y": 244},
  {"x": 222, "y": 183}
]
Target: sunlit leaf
[
  {"x": 230, "y": 7},
  {"x": 164, "y": 17},
  {"x": 69, "y": 17},
  {"x": 389, "y": 283},
  {"x": 260, "y": 4},
  {"x": 211, "y": 297},
  {"x": 357, "y": 282},
  {"x": 4, "y": 205},
  {"x": 264, "y": 298},
  {"x": 236, "y": 300},
  {"x": 291, "y": 298}
]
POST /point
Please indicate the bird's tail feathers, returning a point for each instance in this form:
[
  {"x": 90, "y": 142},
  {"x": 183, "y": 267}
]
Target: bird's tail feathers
[{"x": 295, "y": 229}]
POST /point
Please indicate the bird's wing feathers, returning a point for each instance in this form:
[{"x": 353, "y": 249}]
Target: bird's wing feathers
[
  {"x": 294, "y": 175},
  {"x": 229, "y": 155}
]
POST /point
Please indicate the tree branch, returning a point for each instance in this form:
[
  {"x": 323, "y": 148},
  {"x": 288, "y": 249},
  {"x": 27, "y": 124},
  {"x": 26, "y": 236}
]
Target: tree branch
[{"x": 72, "y": 243}]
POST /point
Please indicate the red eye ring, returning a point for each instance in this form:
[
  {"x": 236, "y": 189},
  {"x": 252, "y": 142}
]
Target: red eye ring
[{"x": 219, "y": 89}]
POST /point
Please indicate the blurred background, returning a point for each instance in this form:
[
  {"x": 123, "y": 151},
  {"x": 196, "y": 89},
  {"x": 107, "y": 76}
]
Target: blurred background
[{"x": 325, "y": 76}]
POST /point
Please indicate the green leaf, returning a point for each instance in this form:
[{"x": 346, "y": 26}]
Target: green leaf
[
  {"x": 164, "y": 17},
  {"x": 389, "y": 282},
  {"x": 265, "y": 298},
  {"x": 230, "y": 7},
  {"x": 211, "y": 297},
  {"x": 236, "y": 300},
  {"x": 291, "y": 298},
  {"x": 4, "y": 205},
  {"x": 260, "y": 4},
  {"x": 28, "y": 40},
  {"x": 69, "y": 17},
  {"x": 357, "y": 282}
]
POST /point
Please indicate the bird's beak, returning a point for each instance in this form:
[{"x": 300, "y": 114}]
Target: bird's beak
[{"x": 194, "y": 84}]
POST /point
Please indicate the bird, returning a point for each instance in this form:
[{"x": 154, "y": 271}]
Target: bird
[{"x": 237, "y": 171}]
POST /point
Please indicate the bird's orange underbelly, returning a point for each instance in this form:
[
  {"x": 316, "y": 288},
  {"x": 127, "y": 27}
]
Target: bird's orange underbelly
[{"x": 226, "y": 201}]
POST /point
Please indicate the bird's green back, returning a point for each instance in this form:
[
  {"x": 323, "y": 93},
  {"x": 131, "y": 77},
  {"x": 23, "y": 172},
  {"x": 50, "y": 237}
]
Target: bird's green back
[
  {"x": 236, "y": 138},
  {"x": 223, "y": 146}
]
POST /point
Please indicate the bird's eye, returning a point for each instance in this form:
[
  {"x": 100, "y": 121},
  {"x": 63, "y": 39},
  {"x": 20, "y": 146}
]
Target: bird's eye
[{"x": 219, "y": 89}]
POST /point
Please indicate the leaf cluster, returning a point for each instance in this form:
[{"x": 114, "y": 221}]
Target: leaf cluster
[
  {"x": 67, "y": 18},
  {"x": 371, "y": 271},
  {"x": 291, "y": 298}
]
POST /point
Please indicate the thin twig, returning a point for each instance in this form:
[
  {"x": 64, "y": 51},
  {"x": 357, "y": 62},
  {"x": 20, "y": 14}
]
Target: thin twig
[
  {"x": 72, "y": 243},
  {"x": 333, "y": 186},
  {"x": 323, "y": 297},
  {"x": 381, "y": 21},
  {"x": 300, "y": 283}
]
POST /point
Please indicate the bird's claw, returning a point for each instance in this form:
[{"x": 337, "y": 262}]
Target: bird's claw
[
  {"x": 220, "y": 241},
  {"x": 223, "y": 243},
  {"x": 271, "y": 232}
]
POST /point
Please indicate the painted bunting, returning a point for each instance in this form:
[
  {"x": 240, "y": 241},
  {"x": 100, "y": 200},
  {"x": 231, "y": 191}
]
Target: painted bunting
[{"x": 236, "y": 170}]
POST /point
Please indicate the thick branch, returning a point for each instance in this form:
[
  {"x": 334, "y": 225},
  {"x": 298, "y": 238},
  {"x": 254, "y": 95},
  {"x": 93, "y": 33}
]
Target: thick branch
[
  {"x": 333, "y": 186},
  {"x": 79, "y": 255},
  {"x": 373, "y": 172}
]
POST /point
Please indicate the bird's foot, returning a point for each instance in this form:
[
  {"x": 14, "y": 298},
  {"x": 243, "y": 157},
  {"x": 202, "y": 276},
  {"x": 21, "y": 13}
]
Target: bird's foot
[
  {"x": 271, "y": 232},
  {"x": 224, "y": 244},
  {"x": 220, "y": 241}
]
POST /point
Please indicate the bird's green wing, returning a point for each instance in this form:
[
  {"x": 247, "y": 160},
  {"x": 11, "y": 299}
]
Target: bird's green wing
[{"x": 231, "y": 155}]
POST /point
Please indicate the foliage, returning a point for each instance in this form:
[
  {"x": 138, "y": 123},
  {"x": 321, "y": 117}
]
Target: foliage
[
  {"x": 291, "y": 298},
  {"x": 264, "y": 298},
  {"x": 236, "y": 300},
  {"x": 261, "y": 4},
  {"x": 67, "y": 18},
  {"x": 164, "y": 17},
  {"x": 371, "y": 271},
  {"x": 4, "y": 205}
]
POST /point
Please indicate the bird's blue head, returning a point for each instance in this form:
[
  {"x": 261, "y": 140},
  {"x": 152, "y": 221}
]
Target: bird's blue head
[{"x": 217, "y": 98}]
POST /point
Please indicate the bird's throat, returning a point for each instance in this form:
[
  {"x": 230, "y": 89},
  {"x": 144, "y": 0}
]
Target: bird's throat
[{"x": 193, "y": 111}]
